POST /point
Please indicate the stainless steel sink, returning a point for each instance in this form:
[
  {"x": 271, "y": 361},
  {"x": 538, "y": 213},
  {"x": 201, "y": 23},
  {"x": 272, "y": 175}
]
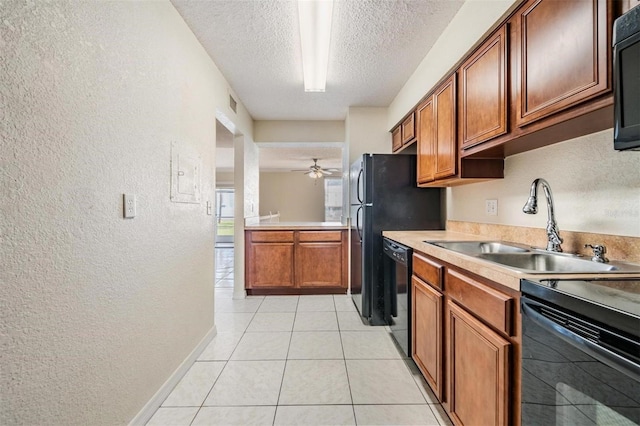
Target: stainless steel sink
[
  {"x": 534, "y": 261},
  {"x": 473, "y": 248},
  {"x": 548, "y": 263}
]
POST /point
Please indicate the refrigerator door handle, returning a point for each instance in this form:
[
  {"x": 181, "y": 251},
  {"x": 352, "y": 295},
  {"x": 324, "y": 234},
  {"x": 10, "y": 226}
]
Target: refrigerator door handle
[
  {"x": 358, "y": 222},
  {"x": 358, "y": 185}
]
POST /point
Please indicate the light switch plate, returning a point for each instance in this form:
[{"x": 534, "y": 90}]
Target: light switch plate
[
  {"x": 491, "y": 207},
  {"x": 129, "y": 206}
]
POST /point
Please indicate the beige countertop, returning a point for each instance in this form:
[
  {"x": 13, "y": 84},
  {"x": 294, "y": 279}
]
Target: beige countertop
[
  {"x": 294, "y": 226},
  {"x": 492, "y": 271}
]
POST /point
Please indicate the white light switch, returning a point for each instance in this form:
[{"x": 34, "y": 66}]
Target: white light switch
[
  {"x": 209, "y": 208},
  {"x": 491, "y": 207},
  {"x": 129, "y": 206}
]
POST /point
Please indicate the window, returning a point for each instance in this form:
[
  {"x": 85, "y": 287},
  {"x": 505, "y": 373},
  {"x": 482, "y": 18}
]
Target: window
[{"x": 332, "y": 199}]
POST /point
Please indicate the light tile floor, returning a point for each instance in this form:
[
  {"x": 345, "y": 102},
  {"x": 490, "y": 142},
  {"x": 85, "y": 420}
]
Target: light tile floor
[{"x": 298, "y": 360}]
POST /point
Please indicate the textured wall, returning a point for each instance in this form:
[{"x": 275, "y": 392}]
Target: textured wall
[
  {"x": 97, "y": 311},
  {"x": 297, "y": 197},
  {"x": 298, "y": 131},
  {"x": 595, "y": 188}
]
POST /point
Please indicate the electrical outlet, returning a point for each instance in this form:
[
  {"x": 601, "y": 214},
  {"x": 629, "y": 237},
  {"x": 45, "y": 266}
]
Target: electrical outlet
[
  {"x": 491, "y": 207},
  {"x": 129, "y": 206}
]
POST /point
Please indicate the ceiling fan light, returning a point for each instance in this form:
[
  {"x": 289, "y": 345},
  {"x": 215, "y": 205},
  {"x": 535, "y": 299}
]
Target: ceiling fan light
[{"x": 314, "y": 19}]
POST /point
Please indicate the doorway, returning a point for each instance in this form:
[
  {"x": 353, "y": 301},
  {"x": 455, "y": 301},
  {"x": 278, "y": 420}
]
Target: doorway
[{"x": 224, "y": 217}]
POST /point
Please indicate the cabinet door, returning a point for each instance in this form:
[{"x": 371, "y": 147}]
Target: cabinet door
[
  {"x": 426, "y": 142},
  {"x": 478, "y": 379},
  {"x": 270, "y": 265},
  {"x": 446, "y": 147},
  {"x": 562, "y": 55},
  {"x": 319, "y": 264},
  {"x": 408, "y": 129},
  {"x": 396, "y": 139},
  {"x": 483, "y": 93},
  {"x": 426, "y": 338}
]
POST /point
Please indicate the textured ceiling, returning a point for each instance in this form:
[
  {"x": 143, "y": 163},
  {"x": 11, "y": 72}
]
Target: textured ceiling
[{"x": 375, "y": 46}]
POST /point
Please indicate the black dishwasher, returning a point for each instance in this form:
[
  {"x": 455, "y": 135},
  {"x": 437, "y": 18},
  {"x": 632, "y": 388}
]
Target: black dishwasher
[
  {"x": 581, "y": 352},
  {"x": 397, "y": 287}
]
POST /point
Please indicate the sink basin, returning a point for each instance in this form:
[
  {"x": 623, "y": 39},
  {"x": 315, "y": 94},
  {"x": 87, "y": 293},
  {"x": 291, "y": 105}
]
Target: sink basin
[
  {"x": 556, "y": 263},
  {"x": 534, "y": 261},
  {"x": 548, "y": 263},
  {"x": 473, "y": 248}
]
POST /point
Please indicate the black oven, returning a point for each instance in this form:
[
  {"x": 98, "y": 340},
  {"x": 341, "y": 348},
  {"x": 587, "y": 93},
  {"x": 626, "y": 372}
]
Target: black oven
[
  {"x": 397, "y": 285},
  {"x": 626, "y": 80},
  {"x": 580, "y": 352}
]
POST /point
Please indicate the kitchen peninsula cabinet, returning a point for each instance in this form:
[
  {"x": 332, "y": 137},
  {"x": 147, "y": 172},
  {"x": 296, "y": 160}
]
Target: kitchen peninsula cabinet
[
  {"x": 295, "y": 261},
  {"x": 320, "y": 259},
  {"x": 270, "y": 259}
]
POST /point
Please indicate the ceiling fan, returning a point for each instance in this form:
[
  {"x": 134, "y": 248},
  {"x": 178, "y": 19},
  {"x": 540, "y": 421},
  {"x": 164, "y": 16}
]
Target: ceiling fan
[{"x": 315, "y": 171}]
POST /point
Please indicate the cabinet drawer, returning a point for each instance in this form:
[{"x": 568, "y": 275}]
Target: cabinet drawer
[
  {"x": 272, "y": 236},
  {"x": 492, "y": 306},
  {"x": 306, "y": 236},
  {"x": 428, "y": 270}
]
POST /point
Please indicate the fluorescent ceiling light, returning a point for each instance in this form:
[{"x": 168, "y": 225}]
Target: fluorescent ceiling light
[{"x": 315, "y": 34}]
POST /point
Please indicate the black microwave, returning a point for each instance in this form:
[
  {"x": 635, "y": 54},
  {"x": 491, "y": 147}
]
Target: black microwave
[{"x": 626, "y": 81}]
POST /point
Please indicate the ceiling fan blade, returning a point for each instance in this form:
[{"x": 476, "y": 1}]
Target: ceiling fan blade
[{"x": 326, "y": 172}]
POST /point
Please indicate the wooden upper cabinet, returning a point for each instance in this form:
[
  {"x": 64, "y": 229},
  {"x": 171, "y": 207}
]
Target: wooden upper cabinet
[
  {"x": 408, "y": 129},
  {"x": 396, "y": 139},
  {"x": 437, "y": 143},
  {"x": 483, "y": 91},
  {"x": 426, "y": 142},
  {"x": 445, "y": 126},
  {"x": 561, "y": 55},
  {"x": 479, "y": 368}
]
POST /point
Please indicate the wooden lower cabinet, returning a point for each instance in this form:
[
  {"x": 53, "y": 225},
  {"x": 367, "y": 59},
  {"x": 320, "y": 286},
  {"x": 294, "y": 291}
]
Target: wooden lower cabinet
[
  {"x": 466, "y": 341},
  {"x": 271, "y": 265},
  {"x": 478, "y": 373},
  {"x": 295, "y": 262},
  {"x": 426, "y": 324},
  {"x": 319, "y": 264}
]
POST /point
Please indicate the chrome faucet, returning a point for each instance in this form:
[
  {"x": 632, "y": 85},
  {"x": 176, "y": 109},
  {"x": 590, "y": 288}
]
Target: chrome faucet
[{"x": 531, "y": 207}]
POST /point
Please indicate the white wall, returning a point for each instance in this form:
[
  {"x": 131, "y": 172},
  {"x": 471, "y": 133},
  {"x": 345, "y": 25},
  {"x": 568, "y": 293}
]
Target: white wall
[
  {"x": 297, "y": 197},
  {"x": 595, "y": 189},
  {"x": 98, "y": 311},
  {"x": 367, "y": 132},
  {"x": 299, "y": 131}
]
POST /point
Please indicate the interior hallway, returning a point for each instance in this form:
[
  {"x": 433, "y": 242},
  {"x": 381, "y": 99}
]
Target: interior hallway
[{"x": 297, "y": 360}]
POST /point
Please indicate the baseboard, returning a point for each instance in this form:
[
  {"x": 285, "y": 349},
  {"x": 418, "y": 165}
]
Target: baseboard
[{"x": 156, "y": 400}]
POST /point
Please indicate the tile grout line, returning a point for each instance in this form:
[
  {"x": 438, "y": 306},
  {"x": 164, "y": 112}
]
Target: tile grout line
[
  {"x": 226, "y": 362},
  {"x": 286, "y": 359}
]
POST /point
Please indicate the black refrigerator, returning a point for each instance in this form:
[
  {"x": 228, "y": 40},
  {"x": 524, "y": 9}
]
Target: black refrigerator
[{"x": 384, "y": 197}]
